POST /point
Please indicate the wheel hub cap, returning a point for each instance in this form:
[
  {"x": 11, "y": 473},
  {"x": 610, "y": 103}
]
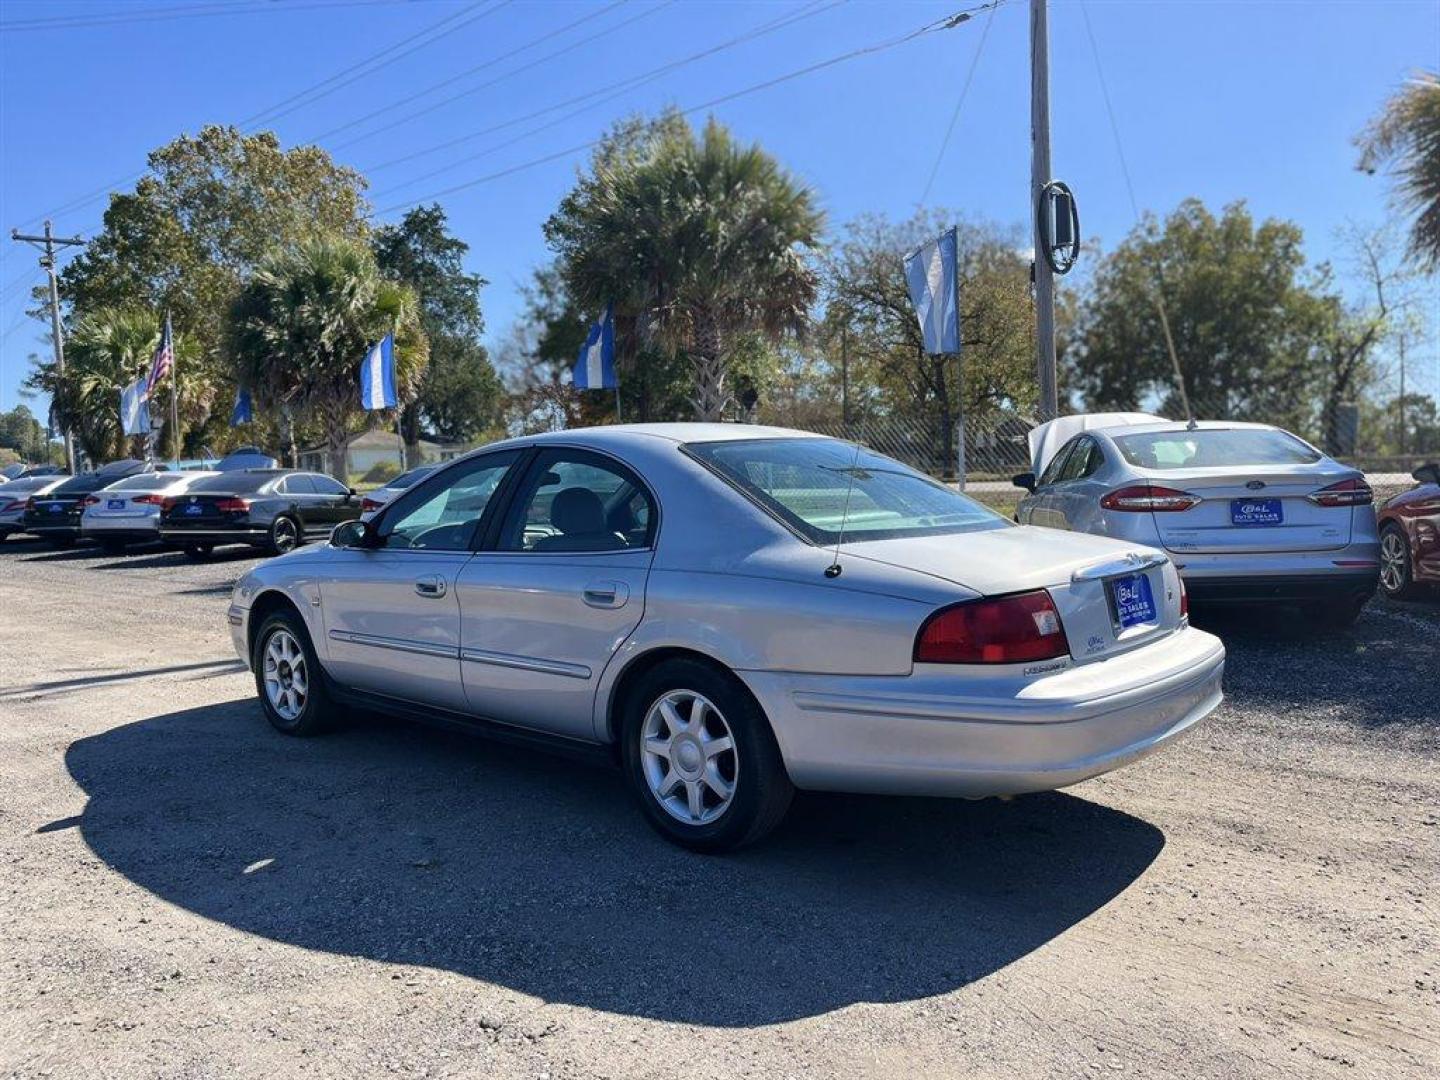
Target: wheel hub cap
[
  {"x": 687, "y": 753},
  {"x": 287, "y": 682}
]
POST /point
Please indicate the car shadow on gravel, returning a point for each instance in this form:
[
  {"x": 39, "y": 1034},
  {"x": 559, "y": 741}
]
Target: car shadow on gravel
[
  {"x": 419, "y": 847},
  {"x": 1378, "y": 673}
]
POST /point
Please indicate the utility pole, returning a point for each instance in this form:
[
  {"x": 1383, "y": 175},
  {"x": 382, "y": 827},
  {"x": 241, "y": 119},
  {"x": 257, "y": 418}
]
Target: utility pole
[
  {"x": 48, "y": 243},
  {"x": 1039, "y": 177}
]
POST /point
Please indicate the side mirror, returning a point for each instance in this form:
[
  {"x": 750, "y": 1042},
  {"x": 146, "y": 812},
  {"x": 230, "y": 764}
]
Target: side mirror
[
  {"x": 1024, "y": 480},
  {"x": 1427, "y": 474},
  {"x": 350, "y": 493},
  {"x": 353, "y": 534}
]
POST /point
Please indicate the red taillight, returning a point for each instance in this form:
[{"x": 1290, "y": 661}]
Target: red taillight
[
  {"x": 90, "y": 500},
  {"x": 367, "y": 504},
  {"x": 1346, "y": 493},
  {"x": 233, "y": 506},
  {"x": 1006, "y": 630},
  {"x": 30, "y": 503},
  {"x": 166, "y": 505},
  {"x": 1149, "y": 498},
  {"x": 150, "y": 500},
  {"x": 18, "y": 504}
]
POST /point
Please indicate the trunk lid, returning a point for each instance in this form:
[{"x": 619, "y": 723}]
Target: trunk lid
[
  {"x": 202, "y": 509},
  {"x": 1111, "y": 596},
  {"x": 1254, "y": 510}
]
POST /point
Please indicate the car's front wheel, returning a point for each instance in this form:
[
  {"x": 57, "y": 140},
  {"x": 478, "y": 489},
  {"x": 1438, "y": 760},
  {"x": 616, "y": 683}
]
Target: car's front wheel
[
  {"x": 287, "y": 677},
  {"x": 701, "y": 759},
  {"x": 1396, "y": 576}
]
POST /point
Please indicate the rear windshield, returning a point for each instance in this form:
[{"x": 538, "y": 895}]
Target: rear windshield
[
  {"x": 1215, "y": 447},
  {"x": 809, "y": 482},
  {"x": 150, "y": 481},
  {"x": 233, "y": 483},
  {"x": 84, "y": 484},
  {"x": 405, "y": 479}
]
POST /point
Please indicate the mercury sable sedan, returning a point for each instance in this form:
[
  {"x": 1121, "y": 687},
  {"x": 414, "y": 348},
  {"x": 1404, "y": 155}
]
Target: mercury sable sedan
[{"x": 733, "y": 612}]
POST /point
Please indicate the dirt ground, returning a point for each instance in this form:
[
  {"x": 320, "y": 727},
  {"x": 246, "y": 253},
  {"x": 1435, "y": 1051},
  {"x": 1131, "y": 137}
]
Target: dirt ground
[{"x": 185, "y": 893}]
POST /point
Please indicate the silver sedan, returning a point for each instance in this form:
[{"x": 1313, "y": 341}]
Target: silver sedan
[
  {"x": 732, "y": 612},
  {"x": 1249, "y": 513}
]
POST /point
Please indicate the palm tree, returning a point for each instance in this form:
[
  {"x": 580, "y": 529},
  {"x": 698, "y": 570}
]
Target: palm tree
[
  {"x": 1406, "y": 135},
  {"x": 106, "y": 350},
  {"x": 703, "y": 240},
  {"x": 300, "y": 327}
]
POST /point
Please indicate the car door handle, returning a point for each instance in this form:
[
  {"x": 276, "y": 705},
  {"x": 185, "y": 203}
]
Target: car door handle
[
  {"x": 606, "y": 594},
  {"x": 432, "y": 587}
]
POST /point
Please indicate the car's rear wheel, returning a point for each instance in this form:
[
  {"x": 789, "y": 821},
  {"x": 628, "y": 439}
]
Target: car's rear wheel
[
  {"x": 701, "y": 759},
  {"x": 1396, "y": 576},
  {"x": 288, "y": 679},
  {"x": 198, "y": 550},
  {"x": 284, "y": 535}
]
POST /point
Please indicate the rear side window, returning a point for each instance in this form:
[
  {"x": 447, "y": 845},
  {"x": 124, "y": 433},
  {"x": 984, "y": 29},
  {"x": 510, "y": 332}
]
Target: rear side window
[
  {"x": 299, "y": 484},
  {"x": 1214, "y": 448},
  {"x": 232, "y": 483},
  {"x": 326, "y": 485}
]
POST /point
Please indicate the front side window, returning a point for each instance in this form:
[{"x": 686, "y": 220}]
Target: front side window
[
  {"x": 1214, "y": 448},
  {"x": 1057, "y": 464},
  {"x": 819, "y": 486},
  {"x": 444, "y": 513},
  {"x": 573, "y": 501},
  {"x": 1083, "y": 461}
]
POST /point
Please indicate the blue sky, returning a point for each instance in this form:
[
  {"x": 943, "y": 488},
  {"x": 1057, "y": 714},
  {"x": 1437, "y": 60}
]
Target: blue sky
[{"x": 1222, "y": 100}]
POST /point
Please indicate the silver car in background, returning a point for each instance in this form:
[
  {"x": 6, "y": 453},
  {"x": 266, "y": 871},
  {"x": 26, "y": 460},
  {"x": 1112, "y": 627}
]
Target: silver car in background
[
  {"x": 375, "y": 500},
  {"x": 731, "y": 612},
  {"x": 1249, "y": 512},
  {"x": 128, "y": 511},
  {"x": 13, "y": 496}
]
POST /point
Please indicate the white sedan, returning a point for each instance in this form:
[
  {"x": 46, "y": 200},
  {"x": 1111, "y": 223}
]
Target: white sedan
[{"x": 733, "y": 612}]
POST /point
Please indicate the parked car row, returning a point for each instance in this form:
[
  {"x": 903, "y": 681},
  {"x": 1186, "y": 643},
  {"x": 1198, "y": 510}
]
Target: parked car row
[
  {"x": 126, "y": 503},
  {"x": 1249, "y": 513}
]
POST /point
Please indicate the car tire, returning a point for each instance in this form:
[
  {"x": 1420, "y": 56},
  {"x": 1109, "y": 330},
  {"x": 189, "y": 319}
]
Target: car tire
[
  {"x": 288, "y": 679},
  {"x": 1397, "y": 578},
  {"x": 198, "y": 551},
  {"x": 284, "y": 535},
  {"x": 741, "y": 788}
]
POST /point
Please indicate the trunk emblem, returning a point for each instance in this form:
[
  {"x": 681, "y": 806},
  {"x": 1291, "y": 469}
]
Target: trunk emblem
[{"x": 1255, "y": 485}]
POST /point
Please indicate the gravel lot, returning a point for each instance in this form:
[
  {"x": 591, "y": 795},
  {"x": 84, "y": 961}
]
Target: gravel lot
[{"x": 184, "y": 893}]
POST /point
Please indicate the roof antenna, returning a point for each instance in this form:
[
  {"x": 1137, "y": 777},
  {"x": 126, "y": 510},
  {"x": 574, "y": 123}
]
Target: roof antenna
[{"x": 834, "y": 569}]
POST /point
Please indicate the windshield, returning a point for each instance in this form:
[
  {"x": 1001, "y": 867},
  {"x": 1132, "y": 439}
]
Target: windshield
[
  {"x": 1214, "y": 448},
  {"x": 808, "y": 483}
]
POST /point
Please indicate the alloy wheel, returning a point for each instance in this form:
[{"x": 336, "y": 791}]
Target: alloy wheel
[
  {"x": 287, "y": 677},
  {"x": 687, "y": 752},
  {"x": 1392, "y": 562},
  {"x": 284, "y": 534}
]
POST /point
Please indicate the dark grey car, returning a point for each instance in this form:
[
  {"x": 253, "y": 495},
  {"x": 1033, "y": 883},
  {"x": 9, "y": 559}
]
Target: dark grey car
[{"x": 272, "y": 509}]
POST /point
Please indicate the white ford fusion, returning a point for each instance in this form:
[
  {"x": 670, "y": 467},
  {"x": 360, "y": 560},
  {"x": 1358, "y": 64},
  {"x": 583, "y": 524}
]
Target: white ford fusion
[{"x": 733, "y": 612}]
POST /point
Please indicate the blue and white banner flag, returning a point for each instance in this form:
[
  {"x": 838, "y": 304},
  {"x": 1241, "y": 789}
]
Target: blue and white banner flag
[
  {"x": 135, "y": 409},
  {"x": 930, "y": 272},
  {"x": 377, "y": 375},
  {"x": 595, "y": 368},
  {"x": 243, "y": 412}
]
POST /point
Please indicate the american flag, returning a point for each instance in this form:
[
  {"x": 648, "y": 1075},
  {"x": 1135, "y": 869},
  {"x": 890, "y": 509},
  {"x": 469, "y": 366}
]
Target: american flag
[{"x": 164, "y": 359}]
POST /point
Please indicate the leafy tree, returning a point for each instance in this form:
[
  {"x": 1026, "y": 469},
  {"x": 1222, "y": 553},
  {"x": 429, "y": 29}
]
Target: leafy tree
[
  {"x": 22, "y": 433},
  {"x": 869, "y": 314},
  {"x": 700, "y": 240},
  {"x": 460, "y": 395},
  {"x": 300, "y": 327},
  {"x": 196, "y": 225},
  {"x": 1406, "y": 136}
]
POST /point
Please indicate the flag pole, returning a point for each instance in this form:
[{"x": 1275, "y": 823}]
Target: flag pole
[
  {"x": 617, "y": 398},
  {"x": 174, "y": 391}
]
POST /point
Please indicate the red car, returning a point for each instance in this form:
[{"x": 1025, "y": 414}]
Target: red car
[{"x": 1410, "y": 536}]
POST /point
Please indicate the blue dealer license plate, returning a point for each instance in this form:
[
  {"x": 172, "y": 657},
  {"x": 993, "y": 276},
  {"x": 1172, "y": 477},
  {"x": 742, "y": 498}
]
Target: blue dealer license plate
[
  {"x": 1133, "y": 601},
  {"x": 1248, "y": 512},
  {"x": 114, "y": 504},
  {"x": 56, "y": 508},
  {"x": 195, "y": 509}
]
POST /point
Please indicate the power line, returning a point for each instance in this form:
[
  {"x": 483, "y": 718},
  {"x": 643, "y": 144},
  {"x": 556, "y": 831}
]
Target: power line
[
  {"x": 381, "y": 54},
  {"x": 959, "y": 104},
  {"x": 482, "y": 67},
  {"x": 189, "y": 11},
  {"x": 587, "y": 101},
  {"x": 945, "y": 23}
]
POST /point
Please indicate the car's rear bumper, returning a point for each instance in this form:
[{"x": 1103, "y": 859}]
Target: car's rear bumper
[
  {"x": 1283, "y": 588},
  {"x": 932, "y": 735},
  {"x": 67, "y": 531},
  {"x": 133, "y": 529},
  {"x": 213, "y": 534}
]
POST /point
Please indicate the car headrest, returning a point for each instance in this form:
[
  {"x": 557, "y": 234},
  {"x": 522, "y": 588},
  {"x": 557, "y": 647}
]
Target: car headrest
[{"x": 577, "y": 511}]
